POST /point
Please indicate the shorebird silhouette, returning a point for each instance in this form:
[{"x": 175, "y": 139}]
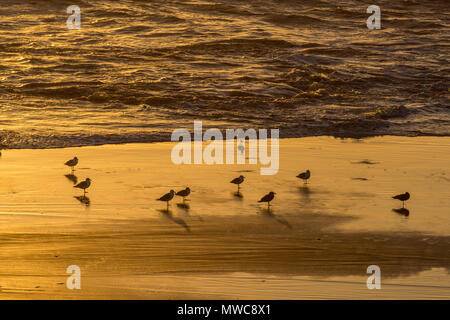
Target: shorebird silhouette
[
  {"x": 305, "y": 176},
  {"x": 167, "y": 197},
  {"x": 402, "y": 197},
  {"x": 267, "y": 198},
  {"x": 72, "y": 163},
  {"x": 238, "y": 181},
  {"x": 84, "y": 185},
  {"x": 184, "y": 193}
]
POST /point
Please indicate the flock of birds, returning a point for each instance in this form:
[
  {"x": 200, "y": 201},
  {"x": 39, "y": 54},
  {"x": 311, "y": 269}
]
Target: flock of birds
[
  {"x": 237, "y": 181},
  {"x": 305, "y": 176}
]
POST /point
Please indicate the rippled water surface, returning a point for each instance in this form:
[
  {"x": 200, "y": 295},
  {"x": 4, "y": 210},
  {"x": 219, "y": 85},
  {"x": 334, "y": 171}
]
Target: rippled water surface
[{"x": 138, "y": 69}]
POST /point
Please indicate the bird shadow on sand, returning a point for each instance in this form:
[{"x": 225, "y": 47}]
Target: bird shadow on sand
[
  {"x": 84, "y": 200},
  {"x": 168, "y": 214},
  {"x": 72, "y": 178},
  {"x": 402, "y": 211},
  {"x": 185, "y": 207},
  {"x": 268, "y": 212}
]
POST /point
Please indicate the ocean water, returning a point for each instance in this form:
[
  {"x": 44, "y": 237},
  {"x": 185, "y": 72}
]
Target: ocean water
[{"x": 137, "y": 70}]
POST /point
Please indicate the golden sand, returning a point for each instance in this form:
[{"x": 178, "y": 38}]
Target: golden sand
[{"x": 316, "y": 242}]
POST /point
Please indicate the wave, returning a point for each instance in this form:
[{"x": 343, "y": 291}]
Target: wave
[
  {"x": 232, "y": 46},
  {"x": 138, "y": 69}
]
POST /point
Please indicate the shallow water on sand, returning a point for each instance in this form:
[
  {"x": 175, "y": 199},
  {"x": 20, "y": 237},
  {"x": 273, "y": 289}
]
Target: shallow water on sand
[
  {"x": 138, "y": 69},
  {"x": 352, "y": 180},
  {"x": 323, "y": 236}
]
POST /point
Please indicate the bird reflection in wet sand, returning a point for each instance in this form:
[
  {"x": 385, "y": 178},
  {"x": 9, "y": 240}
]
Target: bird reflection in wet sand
[
  {"x": 402, "y": 211},
  {"x": 305, "y": 192},
  {"x": 185, "y": 206},
  {"x": 268, "y": 212},
  {"x": 238, "y": 195},
  {"x": 73, "y": 178},
  {"x": 168, "y": 214},
  {"x": 84, "y": 200}
]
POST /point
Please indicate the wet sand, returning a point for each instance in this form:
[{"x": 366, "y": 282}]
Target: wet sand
[{"x": 316, "y": 242}]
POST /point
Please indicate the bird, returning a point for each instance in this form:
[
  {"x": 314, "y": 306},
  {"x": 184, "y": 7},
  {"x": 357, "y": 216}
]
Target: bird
[
  {"x": 402, "y": 197},
  {"x": 305, "y": 176},
  {"x": 238, "y": 181},
  {"x": 268, "y": 197},
  {"x": 84, "y": 185},
  {"x": 241, "y": 147},
  {"x": 72, "y": 163},
  {"x": 184, "y": 193},
  {"x": 167, "y": 197}
]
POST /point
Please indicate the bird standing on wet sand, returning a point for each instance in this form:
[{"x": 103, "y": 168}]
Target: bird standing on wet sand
[
  {"x": 72, "y": 163},
  {"x": 267, "y": 198},
  {"x": 167, "y": 197},
  {"x": 184, "y": 193},
  {"x": 238, "y": 181},
  {"x": 402, "y": 197},
  {"x": 305, "y": 176},
  {"x": 84, "y": 185}
]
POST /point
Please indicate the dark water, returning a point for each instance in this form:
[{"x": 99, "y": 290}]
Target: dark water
[{"x": 139, "y": 69}]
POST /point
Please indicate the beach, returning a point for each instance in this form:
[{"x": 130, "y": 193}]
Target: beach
[{"x": 316, "y": 241}]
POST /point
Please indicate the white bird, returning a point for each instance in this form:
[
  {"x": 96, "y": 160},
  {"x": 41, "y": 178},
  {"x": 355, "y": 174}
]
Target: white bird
[
  {"x": 84, "y": 185},
  {"x": 241, "y": 147},
  {"x": 305, "y": 176},
  {"x": 72, "y": 163}
]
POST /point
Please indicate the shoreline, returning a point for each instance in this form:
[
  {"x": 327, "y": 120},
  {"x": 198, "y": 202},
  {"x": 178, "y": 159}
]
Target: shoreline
[{"x": 343, "y": 137}]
